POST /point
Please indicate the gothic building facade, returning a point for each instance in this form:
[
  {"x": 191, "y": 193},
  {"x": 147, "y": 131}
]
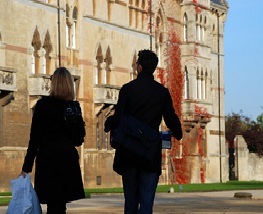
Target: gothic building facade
[{"x": 98, "y": 41}]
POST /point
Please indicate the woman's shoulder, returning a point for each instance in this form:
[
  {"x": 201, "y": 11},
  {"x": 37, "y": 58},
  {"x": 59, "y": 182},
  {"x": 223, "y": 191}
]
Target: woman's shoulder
[
  {"x": 44, "y": 100},
  {"x": 49, "y": 101}
]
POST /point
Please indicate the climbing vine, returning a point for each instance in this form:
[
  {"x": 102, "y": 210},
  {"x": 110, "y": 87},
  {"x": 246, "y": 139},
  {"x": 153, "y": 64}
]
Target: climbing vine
[{"x": 171, "y": 75}]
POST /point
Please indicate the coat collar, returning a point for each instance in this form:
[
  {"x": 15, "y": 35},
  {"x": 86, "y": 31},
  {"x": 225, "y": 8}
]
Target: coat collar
[{"x": 144, "y": 74}]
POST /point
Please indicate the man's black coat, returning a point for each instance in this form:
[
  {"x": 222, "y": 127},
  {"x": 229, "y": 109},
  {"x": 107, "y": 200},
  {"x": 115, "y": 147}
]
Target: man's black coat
[{"x": 148, "y": 101}]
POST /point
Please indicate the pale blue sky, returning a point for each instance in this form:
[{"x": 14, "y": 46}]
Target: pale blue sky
[{"x": 243, "y": 43}]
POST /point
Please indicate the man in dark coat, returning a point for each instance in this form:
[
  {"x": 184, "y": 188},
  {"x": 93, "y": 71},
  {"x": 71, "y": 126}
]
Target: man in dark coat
[{"x": 148, "y": 101}]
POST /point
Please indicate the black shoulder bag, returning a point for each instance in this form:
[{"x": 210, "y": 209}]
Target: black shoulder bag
[
  {"x": 136, "y": 137},
  {"x": 74, "y": 123}
]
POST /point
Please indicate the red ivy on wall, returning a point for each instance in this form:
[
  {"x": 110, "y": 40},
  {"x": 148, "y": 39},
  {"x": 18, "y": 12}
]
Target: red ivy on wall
[
  {"x": 175, "y": 84},
  {"x": 172, "y": 77}
]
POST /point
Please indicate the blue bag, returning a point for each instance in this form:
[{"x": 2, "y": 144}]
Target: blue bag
[{"x": 24, "y": 198}]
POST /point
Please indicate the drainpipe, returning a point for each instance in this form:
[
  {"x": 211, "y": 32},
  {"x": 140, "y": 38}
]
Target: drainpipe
[
  {"x": 219, "y": 96},
  {"x": 59, "y": 52},
  {"x": 151, "y": 25}
]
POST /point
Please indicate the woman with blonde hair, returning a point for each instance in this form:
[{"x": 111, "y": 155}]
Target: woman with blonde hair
[{"x": 58, "y": 177}]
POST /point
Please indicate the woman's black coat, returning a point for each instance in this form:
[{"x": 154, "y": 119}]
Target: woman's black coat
[
  {"x": 148, "y": 101},
  {"x": 57, "y": 174}
]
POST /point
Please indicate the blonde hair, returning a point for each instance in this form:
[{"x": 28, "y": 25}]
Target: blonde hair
[{"x": 62, "y": 86}]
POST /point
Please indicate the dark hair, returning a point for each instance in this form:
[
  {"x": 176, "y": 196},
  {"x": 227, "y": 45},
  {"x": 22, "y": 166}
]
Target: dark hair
[{"x": 148, "y": 60}]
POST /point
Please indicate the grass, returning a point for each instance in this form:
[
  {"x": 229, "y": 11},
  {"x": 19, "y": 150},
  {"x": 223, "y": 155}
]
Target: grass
[
  {"x": 231, "y": 185},
  {"x": 5, "y": 197}
]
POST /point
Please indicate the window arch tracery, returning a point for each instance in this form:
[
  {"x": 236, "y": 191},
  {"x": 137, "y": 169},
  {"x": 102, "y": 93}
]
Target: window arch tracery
[
  {"x": 200, "y": 29},
  {"x": 186, "y": 83},
  {"x": 36, "y": 44},
  {"x": 67, "y": 27},
  {"x": 137, "y": 14},
  {"x": 98, "y": 71},
  {"x": 48, "y": 49},
  {"x": 159, "y": 40},
  {"x": 198, "y": 80},
  {"x": 108, "y": 61},
  {"x": 185, "y": 26},
  {"x": 74, "y": 26},
  {"x": 71, "y": 26}
]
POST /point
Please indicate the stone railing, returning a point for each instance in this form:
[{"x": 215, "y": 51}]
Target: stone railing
[
  {"x": 107, "y": 94},
  {"x": 39, "y": 85},
  {"x": 7, "y": 79}
]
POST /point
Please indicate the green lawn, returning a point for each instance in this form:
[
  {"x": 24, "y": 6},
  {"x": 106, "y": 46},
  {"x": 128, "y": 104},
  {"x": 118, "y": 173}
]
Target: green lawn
[
  {"x": 231, "y": 185},
  {"x": 5, "y": 197}
]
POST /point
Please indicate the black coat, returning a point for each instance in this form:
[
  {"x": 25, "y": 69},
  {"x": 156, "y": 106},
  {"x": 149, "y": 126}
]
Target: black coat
[
  {"x": 148, "y": 101},
  {"x": 57, "y": 173}
]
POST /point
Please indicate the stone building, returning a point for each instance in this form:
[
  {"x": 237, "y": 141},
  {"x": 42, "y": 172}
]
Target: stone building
[{"x": 98, "y": 41}]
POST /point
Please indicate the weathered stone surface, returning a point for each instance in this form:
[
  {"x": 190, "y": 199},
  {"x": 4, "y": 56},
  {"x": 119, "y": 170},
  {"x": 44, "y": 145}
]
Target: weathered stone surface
[{"x": 243, "y": 195}]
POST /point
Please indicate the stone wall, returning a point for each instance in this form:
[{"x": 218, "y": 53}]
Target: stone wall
[{"x": 249, "y": 166}]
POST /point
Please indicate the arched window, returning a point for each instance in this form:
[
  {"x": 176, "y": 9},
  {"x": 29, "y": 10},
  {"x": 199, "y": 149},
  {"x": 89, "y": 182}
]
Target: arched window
[
  {"x": 74, "y": 26},
  {"x": 94, "y": 8},
  {"x": 36, "y": 43},
  {"x": 71, "y": 26},
  {"x": 196, "y": 27},
  {"x": 199, "y": 85},
  {"x": 130, "y": 13},
  {"x": 205, "y": 85},
  {"x": 143, "y": 4},
  {"x": 43, "y": 61},
  {"x": 108, "y": 61},
  {"x": 198, "y": 32},
  {"x": 204, "y": 30},
  {"x": 67, "y": 27},
  {"x": 33, "y": 66},
  {"x": 144, "y": 15},
  {"x": 98, "y": 72},
  {"x": 159, "y": 37},
  {"x": 137, "y": 14},
  {"x": 186, "y": 83},
  {"x": 48, "y": 49},
  {"x": 200, "y": 28},
  {"x": 202, "y": 85},
  {"x": 185, "y": 27}
]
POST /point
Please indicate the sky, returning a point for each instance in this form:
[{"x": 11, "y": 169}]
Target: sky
[{"x": 243, "y": 63}]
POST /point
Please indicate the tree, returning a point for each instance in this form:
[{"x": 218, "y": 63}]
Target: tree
[
  {"x": 251, "y": 131},
  {"x": 235, "y": 124}
]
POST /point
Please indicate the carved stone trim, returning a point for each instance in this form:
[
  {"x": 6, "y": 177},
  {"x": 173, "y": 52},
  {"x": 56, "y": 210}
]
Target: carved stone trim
[{"x": 7, "y": 79}]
